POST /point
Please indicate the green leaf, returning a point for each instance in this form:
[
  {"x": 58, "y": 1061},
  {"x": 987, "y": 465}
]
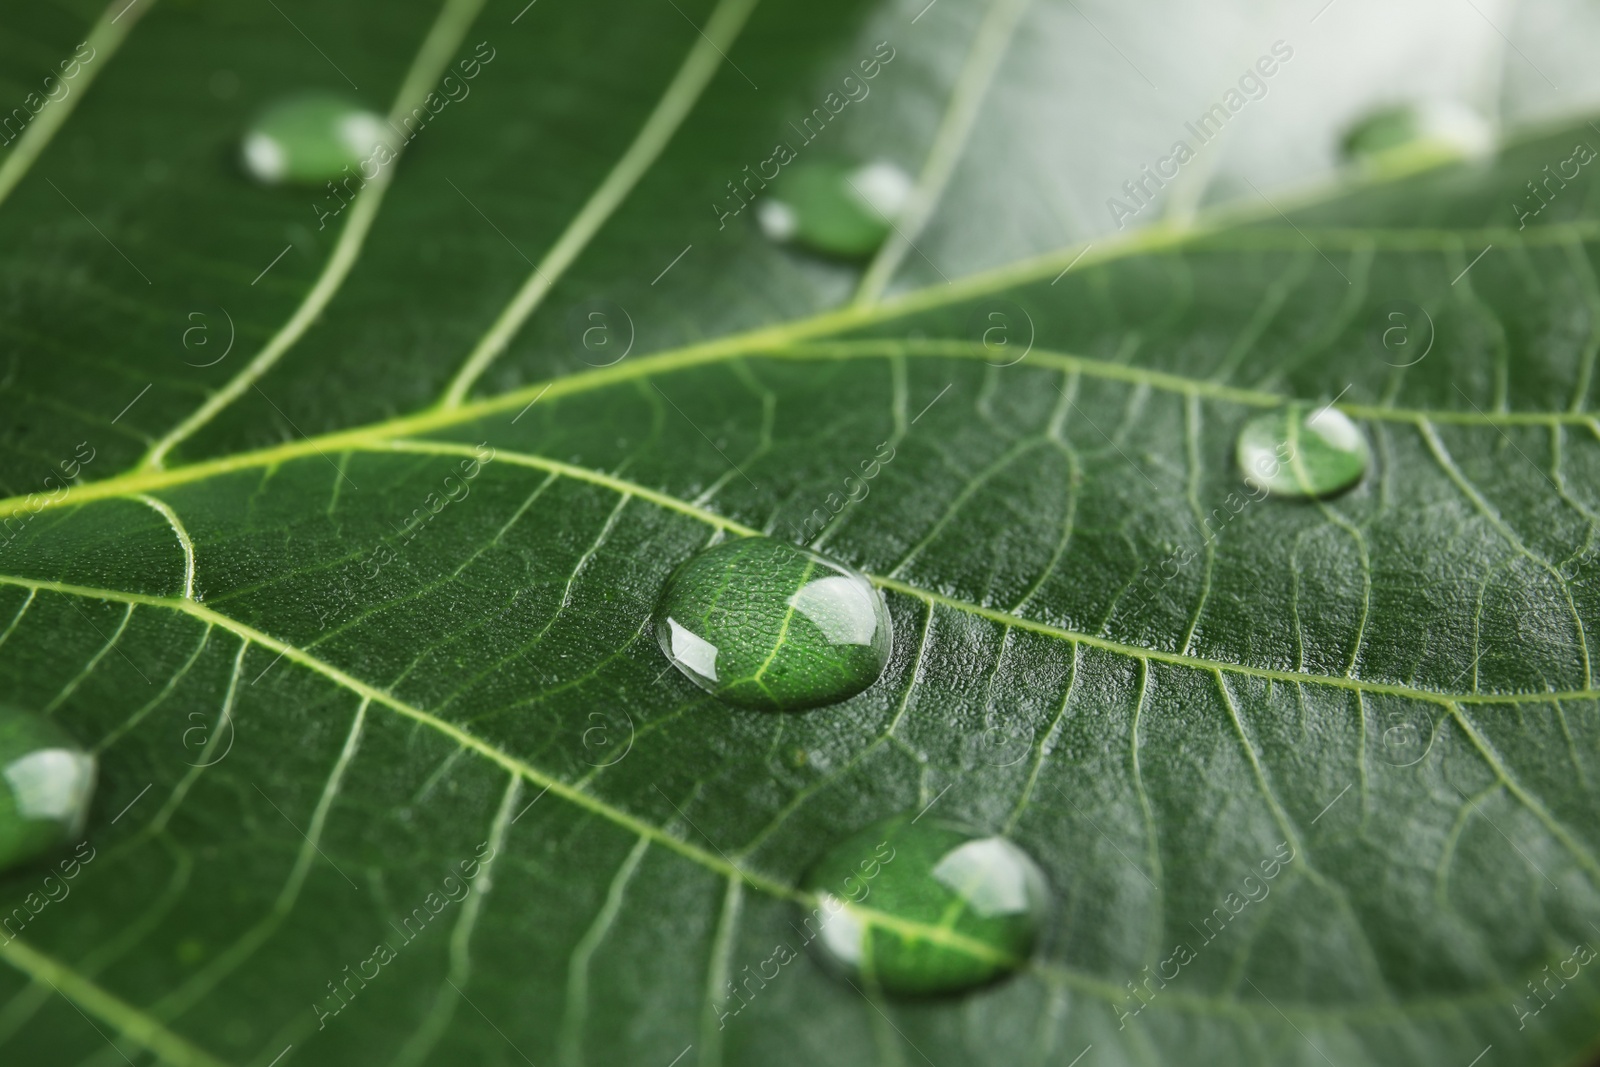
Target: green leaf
[{"x": 345, "y": 563}]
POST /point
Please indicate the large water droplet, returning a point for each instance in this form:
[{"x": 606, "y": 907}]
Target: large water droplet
[
  {"x": 1425, "y": 132},
  {"x": 311, "y": 138},
  {"x": 45, "y": 783},
  {"x": 917, "y": 905},
  {"x": 1297, "y": 451},
  {"x": 834, "y": 208},
  {"x": 764, "y": 624}
]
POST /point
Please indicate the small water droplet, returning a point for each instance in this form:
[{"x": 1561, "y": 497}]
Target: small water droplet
[
  {"x": 835, "y": 208},
  {"x": 764, "y": 624},
  {"x": 1300, "y": 452},
  {"x": 311, "y": 138},
  {"x": 917, "y": 905},
  {"x": 46, "y": 780},
  {"x": 1430, "y": 131}
]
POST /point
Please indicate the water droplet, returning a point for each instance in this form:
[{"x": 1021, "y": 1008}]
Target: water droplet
[
  {"x": 1428, "y": 132},
  {"x": 764, "y": 624},
  {"x": 311, "y": 138},
  {"x": 1296, "y": 451},
  {"x": 45, "y": 783},
  {"x": 917, "y": 905},
  {"x": 835, "y": 208}
]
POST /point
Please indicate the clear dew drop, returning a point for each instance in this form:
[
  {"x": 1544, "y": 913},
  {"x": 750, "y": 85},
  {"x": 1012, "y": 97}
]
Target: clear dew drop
[
  {"x": 835, "y": 208},
  {"x": 309, "y": 139},
  {"x": 764, "y": 624},
  {"x": 1300, "y": 452},
  {"x": 915, "y": 905},
  {"x": 46, "y": 780},
  {"x": 1425, "y": 132}
]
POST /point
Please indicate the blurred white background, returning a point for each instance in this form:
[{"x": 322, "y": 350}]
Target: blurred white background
[{"x": 1088, "y": 91}]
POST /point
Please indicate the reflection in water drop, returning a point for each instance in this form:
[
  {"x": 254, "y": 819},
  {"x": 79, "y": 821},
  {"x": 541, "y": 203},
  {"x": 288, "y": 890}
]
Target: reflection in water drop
[
  {"x": 915, "y": 905},
  {"x": 764, "y": 624},
  {"x": 988, "y": 874},
  {"x": 844, "y": 607},
  {"x": 833, "y": 208},
  {"x": 692, "y": 654},
  {"x": 311, "y": 138},
  {"x": 843, "y": 931},
  {"x": 46, "y": 780},
  {"x": 1297, "y": 452},
  {"x": 778, "y": 220}
]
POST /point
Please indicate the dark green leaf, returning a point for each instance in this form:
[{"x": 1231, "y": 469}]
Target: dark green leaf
[{"x": 339, "y": 546}]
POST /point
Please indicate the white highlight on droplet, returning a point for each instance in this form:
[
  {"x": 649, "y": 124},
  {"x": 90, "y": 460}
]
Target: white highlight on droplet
[
  {"x": 882, "y": 187},
  {"x": 841, "y": 606},
  {"x": 53, "y": 783},
  {"x": 1453, "y": 123},
  {"x": 842, "y": 931},
  {"x": 693, "y": 651},
  {"x": 990, "y": 873},
  {"x": 1335, "y": 428},
  {"x": 777, "y": 219},
  {"x": 265, "y": 158},
  {"x": 361, "y": 132}
]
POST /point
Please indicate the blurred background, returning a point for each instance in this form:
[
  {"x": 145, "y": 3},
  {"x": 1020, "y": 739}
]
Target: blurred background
[{"x": 1091, "y": 90}]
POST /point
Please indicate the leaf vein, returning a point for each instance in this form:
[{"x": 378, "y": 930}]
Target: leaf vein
[{"x": 442, "y": 40}]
